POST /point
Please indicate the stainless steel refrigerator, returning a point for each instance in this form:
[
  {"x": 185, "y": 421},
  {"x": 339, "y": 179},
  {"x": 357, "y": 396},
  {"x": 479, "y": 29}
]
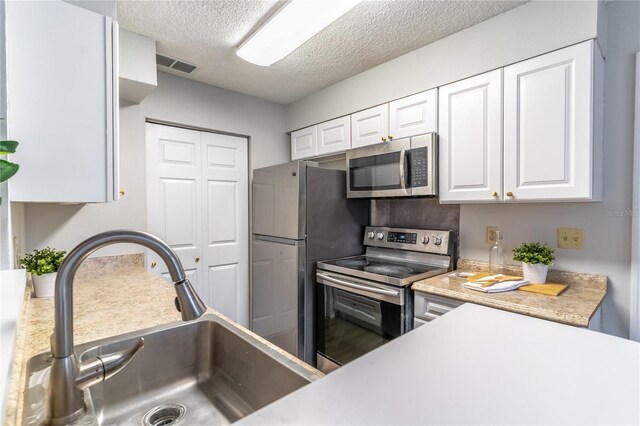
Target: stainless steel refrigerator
[{"x": 300, "y": 215}]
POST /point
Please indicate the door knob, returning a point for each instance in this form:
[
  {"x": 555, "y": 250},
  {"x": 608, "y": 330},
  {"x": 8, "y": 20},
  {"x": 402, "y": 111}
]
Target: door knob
[
  {"x": 509, "y": 194},
  {"x": 153, "y": 264},
  {"x": 121, "y": 192},
  {"x": 384, "y": 139},
  {"x": 390, "y": 137},
  {"x": 494, "y": 194},
  {"x": 197, "y": 259}
]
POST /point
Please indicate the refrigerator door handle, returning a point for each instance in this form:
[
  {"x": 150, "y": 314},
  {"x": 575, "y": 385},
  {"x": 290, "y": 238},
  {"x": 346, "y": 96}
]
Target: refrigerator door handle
[{"x": 278, "y": 240}]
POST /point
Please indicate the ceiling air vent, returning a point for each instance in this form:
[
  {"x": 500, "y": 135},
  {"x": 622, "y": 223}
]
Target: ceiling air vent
[{"x": 165, "y": 61}]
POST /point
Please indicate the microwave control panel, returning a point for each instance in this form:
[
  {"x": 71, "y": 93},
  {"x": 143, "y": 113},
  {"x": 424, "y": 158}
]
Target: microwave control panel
[{"x": 419, "y": 167}]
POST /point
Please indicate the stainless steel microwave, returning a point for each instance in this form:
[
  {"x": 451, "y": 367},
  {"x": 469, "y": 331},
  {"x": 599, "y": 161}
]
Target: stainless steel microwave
[{"x": 397, "y": 168}]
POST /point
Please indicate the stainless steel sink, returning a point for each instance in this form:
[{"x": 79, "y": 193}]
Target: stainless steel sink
[{"x": 208, "y": 371}]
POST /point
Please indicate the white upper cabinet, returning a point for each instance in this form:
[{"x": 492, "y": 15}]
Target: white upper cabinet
[
  {"x": 530, "y": 132},
  {"x": 549, "y": 150},
  {"x": 334, "y": 136},
  {"x": 413, "y": 115},
  {"x": 470, "y": 139},
  {"x": 304, "y": 143},
  {"x": 62, "y": 92},
  {"x": 370, "y": 126}
]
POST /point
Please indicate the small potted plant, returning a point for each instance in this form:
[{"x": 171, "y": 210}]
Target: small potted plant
[
  {"x": 43, "y": 265},
  {"x": 535, "y": 258}
]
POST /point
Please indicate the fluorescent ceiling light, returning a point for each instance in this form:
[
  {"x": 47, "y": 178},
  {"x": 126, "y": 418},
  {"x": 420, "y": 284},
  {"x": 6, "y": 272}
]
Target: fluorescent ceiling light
[{"x": 290, "y": 27}]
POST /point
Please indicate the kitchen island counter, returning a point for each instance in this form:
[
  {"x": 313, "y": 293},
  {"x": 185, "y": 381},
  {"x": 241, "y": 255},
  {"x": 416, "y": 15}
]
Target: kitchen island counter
[
  {"x": 575, "y": 306},
  {"x": 476, "y": 365}
]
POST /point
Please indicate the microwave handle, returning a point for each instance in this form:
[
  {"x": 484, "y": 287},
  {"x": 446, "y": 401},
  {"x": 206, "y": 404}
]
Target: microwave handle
[{"x": 403, "y": 183}]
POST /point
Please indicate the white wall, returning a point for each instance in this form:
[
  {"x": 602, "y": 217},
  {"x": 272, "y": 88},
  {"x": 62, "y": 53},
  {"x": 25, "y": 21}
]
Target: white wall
[
  {"x": 525, "y": 31},
  {"x": 528, "y": 30},
  {"x": 176, "y": 100}
]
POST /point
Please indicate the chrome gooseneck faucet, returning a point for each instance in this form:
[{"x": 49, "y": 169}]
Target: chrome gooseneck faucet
[{"x": 68, "y": 377}]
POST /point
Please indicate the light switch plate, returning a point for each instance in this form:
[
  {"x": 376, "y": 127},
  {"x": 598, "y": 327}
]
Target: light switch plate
[
  {"x": 570, "y": 238},
  {"x": 491, "y": 234}
]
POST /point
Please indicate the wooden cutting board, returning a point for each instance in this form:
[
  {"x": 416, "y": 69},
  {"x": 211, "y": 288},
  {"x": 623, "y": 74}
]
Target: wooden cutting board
[{"x": 550, "y": 289}]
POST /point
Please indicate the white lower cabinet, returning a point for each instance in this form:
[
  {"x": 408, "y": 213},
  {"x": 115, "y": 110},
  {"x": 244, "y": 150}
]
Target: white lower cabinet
[
  {"x": 334, "y": 136},
  {"x": 62, "y": 102},
  {"x": 304, "y": 143},
  {"x": 470, "y": 139},
  {"x": 529, "y": 132},
  {"x": 427, "y": 307},
  {"x": 414, "y": 115},
  {"x": 370, "y": 126}
]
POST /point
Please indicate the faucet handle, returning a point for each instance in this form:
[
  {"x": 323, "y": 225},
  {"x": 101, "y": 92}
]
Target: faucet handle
[{"x": 101, "y": 368}]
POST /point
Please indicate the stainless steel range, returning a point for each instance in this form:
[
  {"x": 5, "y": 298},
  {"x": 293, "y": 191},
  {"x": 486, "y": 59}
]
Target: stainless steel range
[{"x": 365, "y": 301}]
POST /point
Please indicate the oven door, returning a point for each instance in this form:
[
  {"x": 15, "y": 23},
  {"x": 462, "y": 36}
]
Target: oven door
[
  {"x": 356, "y": 316},
  {"x": 378, "y": 170}
]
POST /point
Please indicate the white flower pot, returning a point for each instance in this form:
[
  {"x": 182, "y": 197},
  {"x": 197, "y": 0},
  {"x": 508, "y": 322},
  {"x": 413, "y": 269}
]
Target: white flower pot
[
  {"x": 536, "y": 273},
  {"x": 44, "y": 284}
]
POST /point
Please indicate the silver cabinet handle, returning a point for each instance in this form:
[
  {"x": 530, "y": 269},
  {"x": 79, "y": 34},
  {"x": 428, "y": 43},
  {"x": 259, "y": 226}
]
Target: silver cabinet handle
[
  {"x": 403, "y": 184},
  {"x": 358, "y": 286}
]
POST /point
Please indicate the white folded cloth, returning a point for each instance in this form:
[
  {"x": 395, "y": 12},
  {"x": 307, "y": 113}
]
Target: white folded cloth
[{"x": 496, "y": 288}]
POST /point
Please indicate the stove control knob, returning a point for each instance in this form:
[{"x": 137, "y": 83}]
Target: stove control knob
[
  {"x": 425, "y": 239},
  {"x": 380, "y": 236},
  {"x": 371, "y": 235},
  {"x": 437, "y": 241}
]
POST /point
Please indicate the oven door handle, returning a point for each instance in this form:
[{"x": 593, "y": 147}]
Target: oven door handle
[
  {"x": 350, "y": 284},
  {"x": 403, "y": 183}
]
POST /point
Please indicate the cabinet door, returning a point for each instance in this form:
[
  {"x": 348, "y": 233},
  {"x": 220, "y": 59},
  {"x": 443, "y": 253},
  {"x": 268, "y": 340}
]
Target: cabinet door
[
  {"x": 548, "y": 127},
  {"x": 303, "y": 143},
  {"x": 62, "y": 102},
  {"x": 368, "y": 127},
  {"x": 334, "y": 136},
  {"x": 470, "y": 139},
  {"x": 413, "y": 115}
]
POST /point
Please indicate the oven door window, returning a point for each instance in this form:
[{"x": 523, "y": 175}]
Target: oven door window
[
  {"x": 351, "y": 325},
  {"x": 376, "y": 172}
]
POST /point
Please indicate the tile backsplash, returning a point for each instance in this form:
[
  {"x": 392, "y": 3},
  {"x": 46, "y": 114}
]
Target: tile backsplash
[{"x": 421, "y": 213}]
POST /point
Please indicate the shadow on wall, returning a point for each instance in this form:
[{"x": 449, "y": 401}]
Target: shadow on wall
[{"x": 55, "y": 216}]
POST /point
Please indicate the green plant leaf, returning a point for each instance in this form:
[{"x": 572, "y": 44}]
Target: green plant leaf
[
  {"x": 8, "y": 147},
  {"x": 7, "y": 169}
]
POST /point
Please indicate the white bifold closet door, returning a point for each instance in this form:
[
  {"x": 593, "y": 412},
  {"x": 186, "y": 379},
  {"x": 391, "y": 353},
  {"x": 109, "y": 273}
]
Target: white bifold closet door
[{"x": 197, "y": 201}]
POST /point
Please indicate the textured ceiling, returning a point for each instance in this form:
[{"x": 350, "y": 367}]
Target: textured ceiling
[{"x": 206, "y": 33}]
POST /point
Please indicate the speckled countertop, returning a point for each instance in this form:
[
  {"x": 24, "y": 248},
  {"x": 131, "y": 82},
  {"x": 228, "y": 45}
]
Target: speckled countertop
[
  {"x": 112, "y": 295},
  {"x": 575, "y": 306}
]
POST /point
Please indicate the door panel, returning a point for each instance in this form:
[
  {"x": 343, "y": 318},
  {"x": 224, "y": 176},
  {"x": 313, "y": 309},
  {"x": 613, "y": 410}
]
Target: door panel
[
  {"x": 304, "y": 143},
  {"x": 276, "y": 286},
  {"x": 224, "y": 227},
  {"x": 470, "y": 145},
  {"x": 413, "y": 115},
  {"x": 224, "y": 286},
  {"x": 174, "y": 211},
  {"x": 197, "y": 201},
  {"x": 179, "y": 201},
  {"x": 548, "y": 126},
  {"x": 334, "y": 136},
  {"x": 225, "y": 196},
  {"x": 368, "y": 127}
]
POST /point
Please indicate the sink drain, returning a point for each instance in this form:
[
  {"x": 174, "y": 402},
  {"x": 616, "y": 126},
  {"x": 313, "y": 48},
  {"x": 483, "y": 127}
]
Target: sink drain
[{"x": 164, "y": 415}]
